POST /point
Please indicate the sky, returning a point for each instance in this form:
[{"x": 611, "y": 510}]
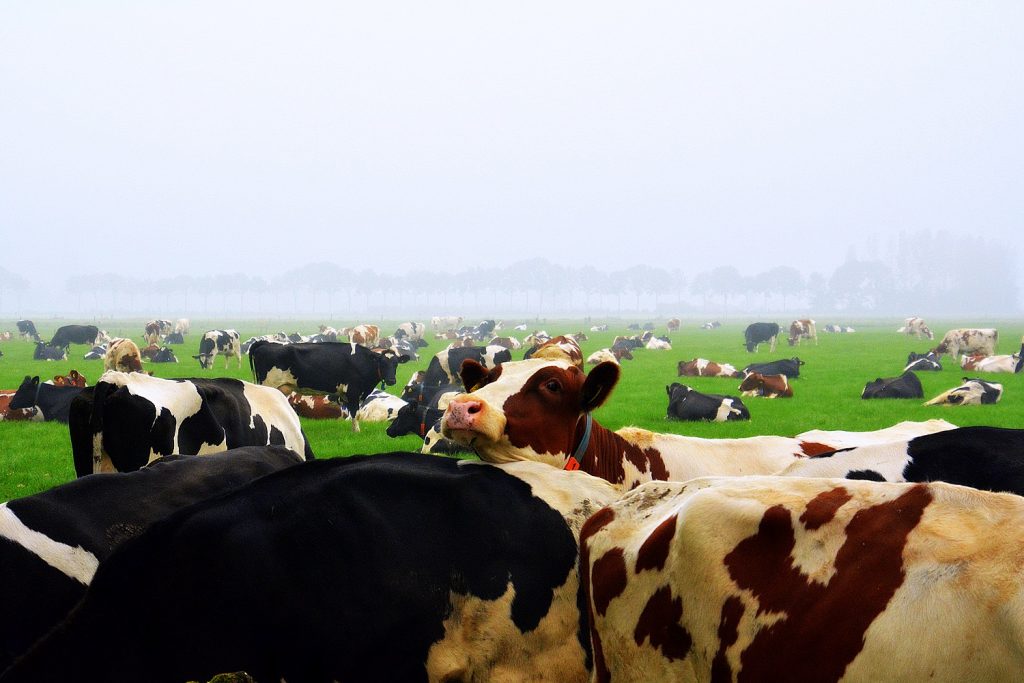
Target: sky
[{"x": 158, "y": 138}]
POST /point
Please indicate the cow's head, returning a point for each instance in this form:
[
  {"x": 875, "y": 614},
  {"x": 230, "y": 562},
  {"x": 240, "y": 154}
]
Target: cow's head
[
  {"x": 25, "y": 396},
  {"x": 387, "y": 365},
  {"x": 525, "y": 410},
  {"x": 752, "y": 383},
  {"x": 677, "y": 392},
  {"x": 207, "y": 352}
]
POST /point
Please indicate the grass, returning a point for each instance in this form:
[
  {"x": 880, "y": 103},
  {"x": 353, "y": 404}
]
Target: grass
[{"x": 36, "y": 456}]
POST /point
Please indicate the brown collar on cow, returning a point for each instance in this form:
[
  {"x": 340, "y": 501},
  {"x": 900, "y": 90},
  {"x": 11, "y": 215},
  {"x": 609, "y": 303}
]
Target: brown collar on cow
[{"x": 573, "y": 463}]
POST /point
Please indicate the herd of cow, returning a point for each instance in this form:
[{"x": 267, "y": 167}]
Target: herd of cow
[{"x": 570, "y": 552}]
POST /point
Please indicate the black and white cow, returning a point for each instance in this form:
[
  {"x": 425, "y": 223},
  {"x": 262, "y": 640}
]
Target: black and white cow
[
  {"x": 27, "y": 330},
  {"x": 174, "y": 338},
  {"x": 906, "y": 385},
  {"x": 52, "y": 402},
  {"x": 98, "y": 352},
  {"x": 44, "y": 351},
  {"x": 412, "y": 331},
  {"x": 165, "y": 355},
  {"x": 424, "y": 407},
  {"x": 391, "y": 567},
  {"x": 379, "y": 406},
  {"x": 923, "y": 362},
  {"x": 66, "y": 335},
  {"x": 790, "y": 367},
  {"x": 129, "y": 419},
  {"x": 219, "y": 341},
  {"x": 685, "y": 403},
  {"x": 52, "y": 542},
  {"x": 350, "y": 370},
  {"x": 760, "y": 333},
  {"x": 444, "y": 366},
  {"x": 973, "y": 391}
]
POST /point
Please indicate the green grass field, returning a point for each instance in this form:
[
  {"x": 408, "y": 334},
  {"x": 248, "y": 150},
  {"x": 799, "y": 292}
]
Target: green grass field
[{"x": 36, "y": 456}]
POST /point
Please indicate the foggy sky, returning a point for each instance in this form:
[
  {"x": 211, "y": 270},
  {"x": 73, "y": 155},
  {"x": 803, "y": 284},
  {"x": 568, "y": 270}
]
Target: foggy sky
[{"x": 157, "y": 138}]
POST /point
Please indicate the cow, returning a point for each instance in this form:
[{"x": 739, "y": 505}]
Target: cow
[
  {"x": 633, "y": 326},
  {"x": 363, "y": 335},
  {"x": 96, "y": 353},
  {"x": 423, "y": 410},
  {"x": 562, "y": 346},
  {"x": 316, "y": 407},
  {"x": 123, "y": 355},
  {"x": 701, "y": 367},
  {"x": 181, "y": 326},
  {"x": 5, "y": 336},
  {"x": 27, "y": 330},
  {"x": 578, "y": 337},
  {"x": 349, "y": 370},
  {"x": 659, "y": 344},
  {"x": 686, "y": 403},
  {"x": 906, "y": 385},
  {"x": 328, "y": 333},
  {"x": 164, "y": 355},
  {"x": 73, "y": 379},
  {"x": 923, "y": 362},
  {"x": 973, "y": 391},
  {"x": 711, "y": 325},
  {"x": 174, "y": 338},
  {"x": 839, "y": 329},
  {"x": 379, "y": 406},
  {"x": 52, "y": 542},
  {"x": 627, "y": 342},
  {"x": 916, "y": 327},
  {"x": 16, "y": 414},
  {"x": 391, "y": 567},
  {"x": 768, "y": 386},
  {"x": 790, "y": 367},
  {"x": 750, "y": 578},
  {"x": 444, "y": 366},
  {"x": 760, "y": 333},
  {"x": 444, "y": 323},
  {"x": 1011, "y": 363},
  {"x": 599, "y": 328},
  {"x": 412, "y": 331},
  {"x": 802, "y": 329},
  {"x": 833, "y": 440},
  {"x": 154, "y": 331},
  {"x": 44, "y": 351},
  {"x": 219, "y": 341},
  {"x": 400, "y": 346},
  {"x": 128, "y": 420},
  {"x": 612, "y": 355},
  {"x": 50, "y": 401},
  {"x": 673, "y": 324},
  {"x": 510, "y": 343},
  {"x": 280, "y": 338},
  {"x": 980, "y": 341}
]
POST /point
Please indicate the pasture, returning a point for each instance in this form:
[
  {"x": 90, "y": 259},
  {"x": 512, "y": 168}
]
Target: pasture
[{"x": 35, "y": 456}]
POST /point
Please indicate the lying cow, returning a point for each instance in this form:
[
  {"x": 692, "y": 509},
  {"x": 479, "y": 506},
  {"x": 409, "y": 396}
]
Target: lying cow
[
  {"x": 685, "y": 403},
  {"x": 1011, "y": 363},
  {"x": 379, "y": 406},
  {"x": 44, "y": 351},
  {"x": 980, "y": 341},
  {"x": 52, "y": 402},
  {"x": 96, "y": 353},
  {"x": 906, "y": 385},
  {"x": 73, "y": 379},
  {"x": 612, "y": 355},
  {"x": 316, "y": 407},
  {"x": 560, "y": 347},
  {"x": 123, "y": 355},
  {"x": 701, "y": 367},
  {"x": 923, "y": 362},
  {"x": 659, "y": 344},
  {"x": 790, "y": 367},
  {"x": 767, "y": 386},
  {"x": 15, "y": 414},
  {"x": 174, "y": 338},
  {"x": 973, "y": 391}
]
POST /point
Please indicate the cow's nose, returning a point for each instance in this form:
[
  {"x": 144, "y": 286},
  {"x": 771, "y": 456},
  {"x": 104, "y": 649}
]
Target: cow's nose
[{"x": 463, "y": 414}]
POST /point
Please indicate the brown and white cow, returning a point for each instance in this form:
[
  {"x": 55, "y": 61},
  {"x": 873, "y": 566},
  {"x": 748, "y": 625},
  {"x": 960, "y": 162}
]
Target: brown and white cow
[
  {"x": 916, "y": 327},
  {"x": 612, "y": 355},
  {"x": 123, "y": 355},
  {"x": 770, "y": 578},
  {"x": 701, "y": 367},
  {"x": 802, "y": 329},
  {"x": 316, "y": 407},
  {"x": 364, "y": 335},
  {"x": 1004, "y": 363},
  {"x": 73, "y": 379},
  {"x": 673, "y": 325},
  {"x": 768, "y": 386},
  {"x": 15, "y": 414},
  {"x": 558, "y": 348},
  {"x": 977, "y": 341}
]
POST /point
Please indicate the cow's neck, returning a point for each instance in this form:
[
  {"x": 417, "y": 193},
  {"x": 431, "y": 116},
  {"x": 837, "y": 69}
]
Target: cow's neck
[{"x": 607, "y": 453}]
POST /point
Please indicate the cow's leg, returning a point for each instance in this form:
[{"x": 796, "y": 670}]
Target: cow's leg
[
  {"x": 353, "y": 408},
  {"x": 772, "y": 349}
]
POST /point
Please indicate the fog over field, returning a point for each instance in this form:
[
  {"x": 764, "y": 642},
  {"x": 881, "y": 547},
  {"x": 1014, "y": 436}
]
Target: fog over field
[{"x": 537, "y": 158}]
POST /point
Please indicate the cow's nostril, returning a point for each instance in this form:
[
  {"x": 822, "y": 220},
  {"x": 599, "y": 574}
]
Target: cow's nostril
[{"x": 473, "y": 408}]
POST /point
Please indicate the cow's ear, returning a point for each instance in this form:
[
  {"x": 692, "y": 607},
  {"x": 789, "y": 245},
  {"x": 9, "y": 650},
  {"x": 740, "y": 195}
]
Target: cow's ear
[
  {"x": 598, "y": 385},
  {"x": 35, "y": 381},
  {"x": 472, "y": 374},
  {"x": 403, "y": 358}
]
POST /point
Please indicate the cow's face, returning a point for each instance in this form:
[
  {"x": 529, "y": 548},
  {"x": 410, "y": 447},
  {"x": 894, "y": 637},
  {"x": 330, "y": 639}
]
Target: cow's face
[
  {"x": 525, "y": 410},
  {"x": 388, "y": 362},
  {"x": 751, "y": 383},
  {"x": 25, "y": 396}
]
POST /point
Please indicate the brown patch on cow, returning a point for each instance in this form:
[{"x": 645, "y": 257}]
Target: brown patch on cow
[
  {"x": 659, "y": 623},
  {"x": 608, "y": 579},
  {"x": 597, "y": 521},
  {"x": 608, "y": 452},
  {"x": 823, "y": 508},
  {"x": 654, "y": 551},
  {"x": 822, "y": 626},
  {"x": 545, "y": 420},
  {"x": 813, "y": 448},
  {"x": 728, "y": 634}
]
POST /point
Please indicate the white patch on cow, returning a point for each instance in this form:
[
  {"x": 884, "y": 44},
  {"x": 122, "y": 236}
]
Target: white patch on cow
[
  {"x": 724, "y": 410},
  {"x": 76, "y": 563},
  {"x": 278, "y": 377},
  {"x": 380, "y": 406},
  {"x": 341, "y": 389},
  {"x": 901, "y": 431},
  {"x": 888, "y": 459},
  {"x": 489, "y": 353},
  {"x": 271, "y": 405}
]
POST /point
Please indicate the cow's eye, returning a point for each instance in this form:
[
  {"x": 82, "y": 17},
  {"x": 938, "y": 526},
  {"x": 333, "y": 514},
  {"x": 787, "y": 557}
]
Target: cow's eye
[{"x": 553, "y": 386}]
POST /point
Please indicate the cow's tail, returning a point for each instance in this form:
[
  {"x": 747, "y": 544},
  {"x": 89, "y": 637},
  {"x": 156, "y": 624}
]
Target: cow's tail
[{"x": 252, "y": 357}]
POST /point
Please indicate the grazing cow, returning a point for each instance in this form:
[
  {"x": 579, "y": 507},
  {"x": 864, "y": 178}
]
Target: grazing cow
[
  {"x": 379, "y": 406},
  {"x": 510, "y": 343},
  {"x": 444, "y": 323},
  {"x": 768, "y": 386},
  {"x": 123, "y": 355},
  {"x": 906, "y": 385},
  {"x": 96, "y": 352},
  {"x": 802, "y": 329},
  {"x": 444, "y": 366},
  {"x": 73, "y": 379},
  {"x": 50, "y": 401},
  {"x": 777, "y": 578},
  {"x": 538, "y": 410},
  {"x": 130, "y": 419},
  {"x": 44, "y": 351},
  {"x": 760, "y": 333},
  {"x": 391, "y": 567},
  {"x": 612, "y": 355},
  {"x": 599, "y": 328},
  {"x": 711, "y": 325},
  {"x": 1006, "y": 363},
  {"x": 659, "y": 344},
  {"x": 973, "y": 391},
  {"x": 560, "y": 347},
  {"x": 673, "y": 325},
  {"x": 219, "y": 341},
  {"x": 926, "y": 362},
  {"x": 16, "y": 414},
  {"x": 790, "y": 367},
  {"x": 686, "y": 403},
  {"x": 181, "y": 326},
  {"x": 349, "y": 370},
  {"x": 916, "y": 327},
  {"x": 52, "y": 542},
  {"x": 174, "y": 338},
  {"x": 701, "y": 367},
  {"x": 969, "y": 341},
  {"x": 316, "y": 407},
  {"x": 27, "y": 330},
  {"x": 363, "y": 335}
]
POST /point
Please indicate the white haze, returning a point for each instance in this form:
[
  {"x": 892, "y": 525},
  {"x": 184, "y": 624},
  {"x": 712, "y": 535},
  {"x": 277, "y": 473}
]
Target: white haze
[{"x": 151, "y": 139}]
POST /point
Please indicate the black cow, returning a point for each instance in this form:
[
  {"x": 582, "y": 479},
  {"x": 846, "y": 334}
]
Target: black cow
[
  {"x": 790, "y": 367},
  {"x": 350, "y": 569},
  {"x": 165, "y": 355},
  {"x": 52, "y": 401},
  {"x": 97, "y": 352},
  {"x": 906, "y": 385},
  {"x": 219, "y": 341},
  {"x": 685, "y": 403},
  {"x": 44, "y": 351},
  {"x": 760, "y": 333},
  {"x": 174, "y": 338},
  {"x": 81, "y": 522},
  {"x": 421, "y": 411},
  {"x": 27, "y": 330},
  {"x": 66, "y": 335},
  {"x": 927, "y": 362},
  {"x": 444, "y": 366},
  {"x": 349, "y": 370},
  {"x": 128, "y": 419}
]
